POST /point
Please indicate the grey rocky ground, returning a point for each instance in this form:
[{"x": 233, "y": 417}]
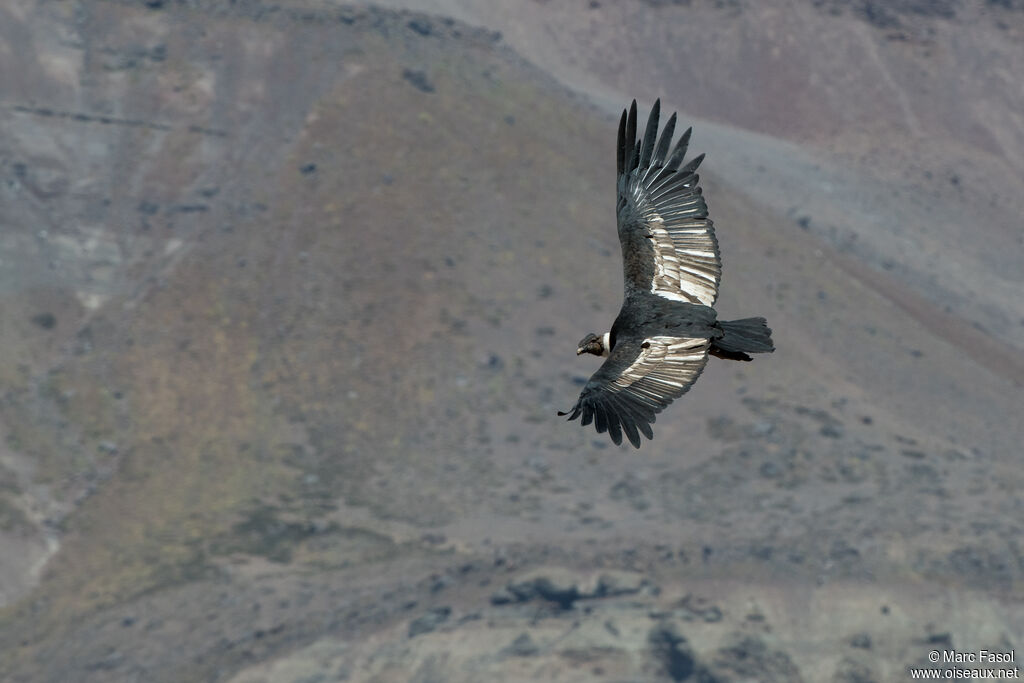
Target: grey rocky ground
[{"x": 289, "y": 296}]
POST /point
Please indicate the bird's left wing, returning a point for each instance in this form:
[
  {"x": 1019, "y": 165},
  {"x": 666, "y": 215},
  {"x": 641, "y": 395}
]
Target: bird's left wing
[
  {"x": 660, "y": 199},
  {"x": 639, "y": 379}
]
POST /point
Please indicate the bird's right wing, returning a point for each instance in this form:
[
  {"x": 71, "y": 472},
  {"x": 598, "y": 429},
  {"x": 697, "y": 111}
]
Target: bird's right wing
[
  {"x": 661, "y": 200},
  {"x": 639, "y": 379}
]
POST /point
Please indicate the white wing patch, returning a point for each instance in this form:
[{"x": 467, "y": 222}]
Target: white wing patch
[
  {"x": 664, "y": 370},
  {"x": 686, "y": 263}
]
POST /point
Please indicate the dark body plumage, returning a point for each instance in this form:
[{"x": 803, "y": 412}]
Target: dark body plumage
[{"x": 666, "y": 328}]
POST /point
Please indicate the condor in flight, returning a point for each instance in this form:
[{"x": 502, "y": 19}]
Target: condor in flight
[{"x": 661, "y": 339}]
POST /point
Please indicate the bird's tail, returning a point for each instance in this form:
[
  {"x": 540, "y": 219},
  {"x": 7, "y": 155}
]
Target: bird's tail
[{"x": 740, "y": 337}]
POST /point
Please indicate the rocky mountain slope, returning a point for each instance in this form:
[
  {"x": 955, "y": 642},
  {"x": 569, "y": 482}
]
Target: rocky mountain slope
[
  {"x": 289, "y": 297},
  {"x": 904, "y": 111}
]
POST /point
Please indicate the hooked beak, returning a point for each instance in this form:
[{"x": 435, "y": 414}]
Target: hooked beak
[{"x": 580, "y": 351}]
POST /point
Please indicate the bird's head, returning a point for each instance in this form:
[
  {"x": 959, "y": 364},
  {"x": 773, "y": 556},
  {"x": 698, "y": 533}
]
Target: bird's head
[{"x": 596, "y": 344}]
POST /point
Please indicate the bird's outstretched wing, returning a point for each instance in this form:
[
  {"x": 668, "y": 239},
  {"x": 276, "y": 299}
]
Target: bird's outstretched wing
[
  {"x": 660, "y": 200},
  {"x": 639, "y": 379}
]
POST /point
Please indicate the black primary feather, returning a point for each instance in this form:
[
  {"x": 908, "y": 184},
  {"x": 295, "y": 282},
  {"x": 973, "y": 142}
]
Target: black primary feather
[{"x": 650, "y": 134}]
